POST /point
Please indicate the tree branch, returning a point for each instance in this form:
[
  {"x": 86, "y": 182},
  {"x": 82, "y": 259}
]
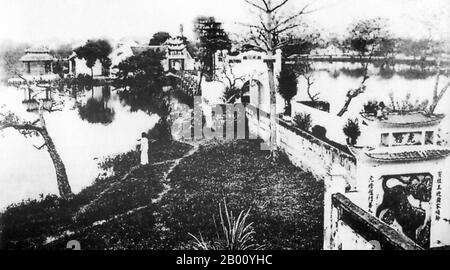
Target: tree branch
[
  {"x": 279, "y": 6},
  {"x": 439, "y": 97},
  {"x": 255, "y": 5},
  {"x": 20, "y": 127},
  {"x": 40, "y": 147},
  {"x": 252, "y": 26},
  {"x": 309, "y": 83},
  {"x": 266, "y": 5},
  {"x": 289, "y": 19}
]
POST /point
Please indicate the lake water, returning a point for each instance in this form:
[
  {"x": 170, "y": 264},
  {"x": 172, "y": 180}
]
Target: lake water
[
  {"x": 334, "y": 80},
  {"x": 26, "y": 172},
  {"x": 332, "y": 84},
  {"x": 93, "y": 125}
]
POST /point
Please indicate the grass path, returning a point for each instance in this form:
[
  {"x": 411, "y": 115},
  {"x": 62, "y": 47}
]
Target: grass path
[
  {"x": 155, "y": 207},
  {"x": 165, "y": 181},
  {"x": 176, "y": 162}
]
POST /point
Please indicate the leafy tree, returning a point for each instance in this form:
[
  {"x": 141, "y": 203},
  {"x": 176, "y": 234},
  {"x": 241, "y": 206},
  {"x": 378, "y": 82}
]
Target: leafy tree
[
  {"x": 142, "y": 71},
  {"x": 302, "y": 45},
  {"x": 415, "y": 48},
  {"x": 368, "y": 38},
  {"x": 143, "y": 78},
  {"x": 159, "y": 38},
  {"x": 95, "y": 50},
  {"x": 60, "y": 67},
  {"x": 287, "y": 86},
  {"x": 211, "y": 37},
  {"x": 10, "y": 54},
  {"x": 62, "y": 51}
]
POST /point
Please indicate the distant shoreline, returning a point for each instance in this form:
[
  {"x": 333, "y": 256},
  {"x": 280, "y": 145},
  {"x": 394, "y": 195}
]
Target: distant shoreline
[{"x": 356, "y": 59}]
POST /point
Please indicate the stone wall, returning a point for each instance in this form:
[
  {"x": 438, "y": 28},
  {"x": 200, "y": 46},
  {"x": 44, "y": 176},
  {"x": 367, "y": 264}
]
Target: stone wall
[
  {"x": 333, "y": 123},
  {"x": 303, "y": 149}
]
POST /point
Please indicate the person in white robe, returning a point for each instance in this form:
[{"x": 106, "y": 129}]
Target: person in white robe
[{"x": 144, "y": 149}]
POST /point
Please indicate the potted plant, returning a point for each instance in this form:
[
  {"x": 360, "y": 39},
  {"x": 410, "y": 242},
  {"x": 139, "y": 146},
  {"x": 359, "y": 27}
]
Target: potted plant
[{"x": 352, "y": 131}]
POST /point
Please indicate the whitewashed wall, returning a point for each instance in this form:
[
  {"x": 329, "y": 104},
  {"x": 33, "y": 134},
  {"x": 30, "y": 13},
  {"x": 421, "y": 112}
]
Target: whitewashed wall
[
  {"x": 303, "y": 149},
  {"x": 81, "y": 68},
  {"x": 333, "y": 123}
]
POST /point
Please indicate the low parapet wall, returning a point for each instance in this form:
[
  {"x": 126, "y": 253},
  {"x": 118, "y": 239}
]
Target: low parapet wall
[
  {"x": 353, "y": 228},
  {"x": 303, "y": 149}
]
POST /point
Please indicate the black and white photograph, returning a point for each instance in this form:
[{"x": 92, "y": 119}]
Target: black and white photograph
[{"x": 231, "y": 126}]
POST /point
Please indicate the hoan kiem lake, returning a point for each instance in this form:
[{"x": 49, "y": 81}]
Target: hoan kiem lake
[{"x": 95, "y": 123}]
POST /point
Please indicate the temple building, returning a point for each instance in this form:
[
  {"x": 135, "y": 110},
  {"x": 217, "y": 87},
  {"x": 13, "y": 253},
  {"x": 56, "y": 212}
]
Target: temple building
[
  {"x": 402, "y": 175},
  {"x": 37, "y": 61},
  {"x": 178, "y": 56}
]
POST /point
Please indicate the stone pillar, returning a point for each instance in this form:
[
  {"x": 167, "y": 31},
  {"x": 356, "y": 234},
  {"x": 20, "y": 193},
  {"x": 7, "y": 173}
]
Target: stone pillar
[
  {"x": 440, "y": 210},
  {"x": 334, "y": 183}
]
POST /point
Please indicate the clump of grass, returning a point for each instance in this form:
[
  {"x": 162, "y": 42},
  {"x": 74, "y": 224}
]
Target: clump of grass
[{"x": 235, "y": 233}]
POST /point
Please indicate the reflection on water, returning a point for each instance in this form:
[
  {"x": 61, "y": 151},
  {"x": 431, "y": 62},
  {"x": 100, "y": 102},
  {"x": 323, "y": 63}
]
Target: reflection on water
[
  {"x": 97, "y": 109},
  {"x": 93, "y": 123}
]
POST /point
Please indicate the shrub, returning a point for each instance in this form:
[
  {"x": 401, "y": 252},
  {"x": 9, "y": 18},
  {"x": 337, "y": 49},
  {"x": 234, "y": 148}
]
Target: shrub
[
  {"x": 319, "y": 132},
  {"x": 287, "y": 86},
  {"x": 303, "y": 121},
  {"x": 352, "y": 131},
  {"x": 160, "y": 132},
  {"x": 184, "y": 97},
  {"x": 371, "y": 107},
  {"x": 231, "y": 94}
]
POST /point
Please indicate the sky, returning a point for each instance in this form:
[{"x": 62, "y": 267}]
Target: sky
[{"x": 69, "y": 20}]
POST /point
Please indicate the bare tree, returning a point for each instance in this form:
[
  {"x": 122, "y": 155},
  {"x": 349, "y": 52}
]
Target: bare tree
[
  {"x": 309, "y": 82},
  {"x": 306, "y": 72},
  {"x": 272, "y": 32},
  {"x": 232, "y": 92},
  {"x": 38, "y": 127}
]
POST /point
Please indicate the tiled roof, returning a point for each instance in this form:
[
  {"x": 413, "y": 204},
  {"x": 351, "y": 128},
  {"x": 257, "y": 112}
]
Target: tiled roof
[
  {"x": 30, "y": 57},
  {"x": 416, "y": 155},
  {"x": 37, "y": 49},
  {"x": 406, "y": 119}
]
